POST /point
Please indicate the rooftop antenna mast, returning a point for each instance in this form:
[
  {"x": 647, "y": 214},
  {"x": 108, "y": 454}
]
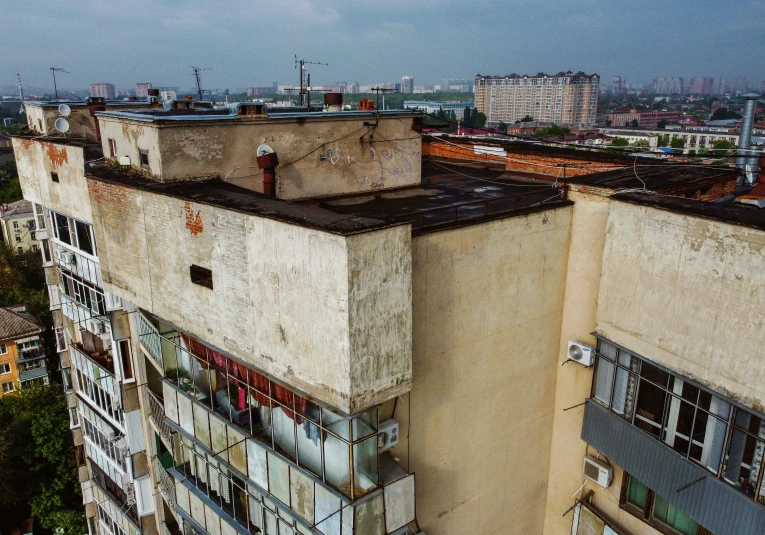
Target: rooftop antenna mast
[
  {"x": 304, "y": 87},
  {"x": 196, "y": 73},
  {"x": 54, "y": 70}
]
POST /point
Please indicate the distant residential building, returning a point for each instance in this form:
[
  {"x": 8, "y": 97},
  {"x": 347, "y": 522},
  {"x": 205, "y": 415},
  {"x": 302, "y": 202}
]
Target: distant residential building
[
  {"x": 265, "y": 90},
  {"x": 142, "y": 89},
  {"x": 433, "y": 107},
  {"x": 456, "y": 85},
  {"x": 563, "y": 98},
  {"x": 22, "y": 355},
  {"x": 701, "y": 86},
  {"x": 668, "y": 86},
  {"x": 352, "y": 88},
  {"x": 17, "y": 221},
  {"x": 103, "y": 90},
  {"x": 619, "y": 84},
  {"x": 720, "y": 86},
  {"x": 168, "y": 94},
  {"x": 407, "y": 84}
]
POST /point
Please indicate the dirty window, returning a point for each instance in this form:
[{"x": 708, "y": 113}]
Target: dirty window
[{"x": 144, "y": 158}]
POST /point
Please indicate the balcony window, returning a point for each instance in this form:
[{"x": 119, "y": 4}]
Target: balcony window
[
  {"x": 644, "y": 503},
  {"x": 687, "y": 418},
  {"x": 316, "y": 439}
]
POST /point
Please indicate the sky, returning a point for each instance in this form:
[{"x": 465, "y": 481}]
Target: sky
[{"x": 253, "y": 42}]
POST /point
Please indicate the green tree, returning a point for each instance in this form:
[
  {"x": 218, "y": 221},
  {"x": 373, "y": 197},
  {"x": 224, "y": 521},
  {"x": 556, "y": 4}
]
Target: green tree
[
  {"x": 10, "y": 188},
  {"x": 703, "y": 151},
  {"x": 527, "y": 119},
  {"x": 642, "y": 143},
  {"x": 662, "y": 124},
  {"x": 502, "y": 127},
  {"x": 50, "y": 487},
  {"x": 662, "y": 140},
  {"x": 634, "y": 123},
  {"x": 553, "y": 130},
  {"x": 721, "y": 114},
  {"x": 22, "y": 281},
  {"x": 620, "y": 142},
  {"x": 722, "y": 144},
  {"x": 677, "y": 142}
]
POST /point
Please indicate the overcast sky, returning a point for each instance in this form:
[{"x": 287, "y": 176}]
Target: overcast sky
[{"x": 253, "y": 42}]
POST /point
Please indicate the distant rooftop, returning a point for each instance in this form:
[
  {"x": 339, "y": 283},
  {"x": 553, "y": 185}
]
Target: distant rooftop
[
  {"x": 656, "y": 176},
  {"x": 15, "y": 209},
  {"x": 16, "y": 322}
]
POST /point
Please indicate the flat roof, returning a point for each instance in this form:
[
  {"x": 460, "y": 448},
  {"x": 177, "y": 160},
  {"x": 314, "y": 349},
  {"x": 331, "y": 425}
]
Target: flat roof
[
  {"x": 656, "y": 175},
  {"x": 735, "y": 214},
  {"x": 85, "y": 104},
  {"x": 448, "y": 196},
  {"x": 229, "y": 114},
  {"x": 92, "y": 149}
]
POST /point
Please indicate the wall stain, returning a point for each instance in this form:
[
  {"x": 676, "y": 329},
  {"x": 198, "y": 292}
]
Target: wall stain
[
  {"x": 57, "y": 155},
  {"x": 193, "y": 222}
]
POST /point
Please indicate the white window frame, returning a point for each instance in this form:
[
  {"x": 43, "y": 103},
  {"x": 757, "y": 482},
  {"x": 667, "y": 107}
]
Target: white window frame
[
  {"x": 8, "y": 390},
  {"x": 61, "y": 344},
  {"x": 5, "y": 366},
  {"x": 15, "y": 225}
]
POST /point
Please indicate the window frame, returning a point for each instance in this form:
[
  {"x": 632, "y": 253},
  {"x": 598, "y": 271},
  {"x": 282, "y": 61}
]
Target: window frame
[
  {"x": 8, "y": 390},
  {"x": 3, "y": 349},
  {"x": 5, "y": 366}
]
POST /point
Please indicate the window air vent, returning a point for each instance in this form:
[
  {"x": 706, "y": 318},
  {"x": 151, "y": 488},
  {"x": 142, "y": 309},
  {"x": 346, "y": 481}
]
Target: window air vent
[{"x": 201, "y": 276}]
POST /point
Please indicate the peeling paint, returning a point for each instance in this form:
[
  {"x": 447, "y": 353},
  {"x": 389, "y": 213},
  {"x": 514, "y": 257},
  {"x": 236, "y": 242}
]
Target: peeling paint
[{"x": 57, "y": 155}]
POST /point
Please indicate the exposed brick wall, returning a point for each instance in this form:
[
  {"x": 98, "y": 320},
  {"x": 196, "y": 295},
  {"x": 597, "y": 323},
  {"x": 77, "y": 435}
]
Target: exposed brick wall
[
  {"x": 111, "y": 195},
  {"x": 524, "y": 161},
  {"x": 708, "y": 190}
]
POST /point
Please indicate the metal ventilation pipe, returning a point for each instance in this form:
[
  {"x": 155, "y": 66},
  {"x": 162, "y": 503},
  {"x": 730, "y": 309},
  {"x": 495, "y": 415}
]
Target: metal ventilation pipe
[{"x": 746, "y": 160}]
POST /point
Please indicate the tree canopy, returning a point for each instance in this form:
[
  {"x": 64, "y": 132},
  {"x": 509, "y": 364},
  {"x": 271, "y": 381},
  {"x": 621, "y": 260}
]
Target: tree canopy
[
  {"x": 721, "y": 114},
  {"x": 37, "y": 461},
  {"x": 620, "y": 142},
  {"x": 552, "y": 130}
]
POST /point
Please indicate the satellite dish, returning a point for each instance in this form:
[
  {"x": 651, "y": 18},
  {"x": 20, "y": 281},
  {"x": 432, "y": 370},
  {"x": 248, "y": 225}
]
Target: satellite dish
[
  {"x": 64, "y": 110},
  {"x": 264, "y": 149},
  {"x": 168, "y": 105},
  {"x": 62, "y": 125}
]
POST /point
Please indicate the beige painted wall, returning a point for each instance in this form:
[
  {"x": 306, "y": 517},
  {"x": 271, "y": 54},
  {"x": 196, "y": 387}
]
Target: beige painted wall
[
  {"x": 36, "y": 159},
  {"x": 705, "y": 278},
  {"x": 588, "y": 236},
  {"x": 318, "y": 156},
  {"x": 328, "y": 314},
  {"x": 487, "y": 304}
]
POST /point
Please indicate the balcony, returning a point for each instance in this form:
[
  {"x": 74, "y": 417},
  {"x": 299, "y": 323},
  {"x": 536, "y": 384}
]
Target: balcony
[
  {"x": 35, "y": 373},
  {"x": 150, "y": 339},
  {"x": 30, "y": 355},
  {"x": 166, "y": 484},
  {"x": 103, "y": 358},
  {"x": 157, "y": 416}
]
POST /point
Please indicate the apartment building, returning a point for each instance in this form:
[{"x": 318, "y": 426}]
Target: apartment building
[
  {"x": 289, "y": 323},
  {"x": 668, "y": 86},
  {"x": 695, "y": 138},
  {"x": 563, "y": 98},
  {"x": 22, "y": 352},
  {"x": 102, "y": 90},
  {"x": 17, "y": 224},
  {"x": 407, "y": 84}
]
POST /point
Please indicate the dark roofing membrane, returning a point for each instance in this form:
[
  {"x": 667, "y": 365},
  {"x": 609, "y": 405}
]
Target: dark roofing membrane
[
  {"x": 656, "y": 176},
  {"x": 445, "y": 198}
]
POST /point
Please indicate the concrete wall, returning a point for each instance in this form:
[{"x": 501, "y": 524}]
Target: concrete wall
[
  {"x": 36, "y": 159},
  {"x": 573, "y": 382},
  {"x": 487, "y": 304},
  {"x": 705, "y": 279},
  {"x": 328, "y": 314},
  {"x": 318, "y": 156}
]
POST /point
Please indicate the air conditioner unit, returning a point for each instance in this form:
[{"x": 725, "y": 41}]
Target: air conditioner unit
[
  {"x": 67, "y": 257},
  {"x": 124, "y": 160},
  {"x": 388, "y": 435},
  {"x": 110, "y": 435},
  {"x": 598, "y": 471},
  {"x": 580, "y": 352}
]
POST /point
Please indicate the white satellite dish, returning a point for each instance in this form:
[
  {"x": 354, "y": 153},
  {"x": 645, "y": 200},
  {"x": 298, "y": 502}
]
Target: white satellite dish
[
  {"x": 62, "y": 125},
  {"x": 168, "y": 105},
  {"x": 264, "y": 149},
  {"x": 64, "y": 110}
]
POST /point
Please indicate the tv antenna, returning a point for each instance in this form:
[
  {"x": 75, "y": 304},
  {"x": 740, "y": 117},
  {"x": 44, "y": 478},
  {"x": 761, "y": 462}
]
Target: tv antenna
[
  {"x": 382, "y": 90},
  {"x": 196, "y": 73},
  {"x": 54, "y": 70},
  {"x": 21, "y": 93},
  {"x": 305, "y": 85}
]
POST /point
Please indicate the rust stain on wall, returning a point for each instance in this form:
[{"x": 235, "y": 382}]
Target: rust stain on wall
[
  {"x": 26, "y": 143},
  {"x": 57, "y": 155},
  {"x": 193, "y": 222}
]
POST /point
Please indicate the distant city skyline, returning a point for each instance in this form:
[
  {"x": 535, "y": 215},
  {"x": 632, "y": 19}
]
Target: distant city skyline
[{"x": 369, "y": 41}]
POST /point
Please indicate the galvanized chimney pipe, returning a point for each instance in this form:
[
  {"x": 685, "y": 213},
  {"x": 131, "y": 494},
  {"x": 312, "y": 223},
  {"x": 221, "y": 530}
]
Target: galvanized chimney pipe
[{"x": 745, "y": 156}]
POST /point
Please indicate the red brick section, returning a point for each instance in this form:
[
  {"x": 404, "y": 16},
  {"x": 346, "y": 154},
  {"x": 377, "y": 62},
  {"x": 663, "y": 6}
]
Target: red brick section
[
  {"x": 707, "y": 190},
  {"x": 524, "y": 161},
  {"x": 193, "y": 222},
  {"x": 111, "y": 196}
]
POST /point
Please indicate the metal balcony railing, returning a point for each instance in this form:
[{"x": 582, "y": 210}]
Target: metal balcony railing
[
  {"x": 150, "y": 339},
  {"x": 157, "y": 415},
  {"x": 165, "y": 483}
]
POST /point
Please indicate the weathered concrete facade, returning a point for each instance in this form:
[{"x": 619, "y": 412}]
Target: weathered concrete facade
[
  {"x": 319, "y": 154},
  {"x": 487, "y": 303},
  {"x": 328, "y": 313}
]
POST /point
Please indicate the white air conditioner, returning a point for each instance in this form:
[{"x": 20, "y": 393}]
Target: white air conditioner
[
  {"x": 580, "y": 352},
  {"x": 67, "y": 257},
  {"x": 388, "y": 435},
  {"x": 110, "y": 435},
  {"x": 598, "y": 471},
  {"x": 124, "y": 160}
]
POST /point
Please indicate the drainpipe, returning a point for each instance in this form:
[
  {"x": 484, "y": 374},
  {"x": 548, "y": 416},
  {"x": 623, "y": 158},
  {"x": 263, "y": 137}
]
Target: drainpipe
[
  {"x": 268, "y": 163},
  {"x": 746, "y": 161}
]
